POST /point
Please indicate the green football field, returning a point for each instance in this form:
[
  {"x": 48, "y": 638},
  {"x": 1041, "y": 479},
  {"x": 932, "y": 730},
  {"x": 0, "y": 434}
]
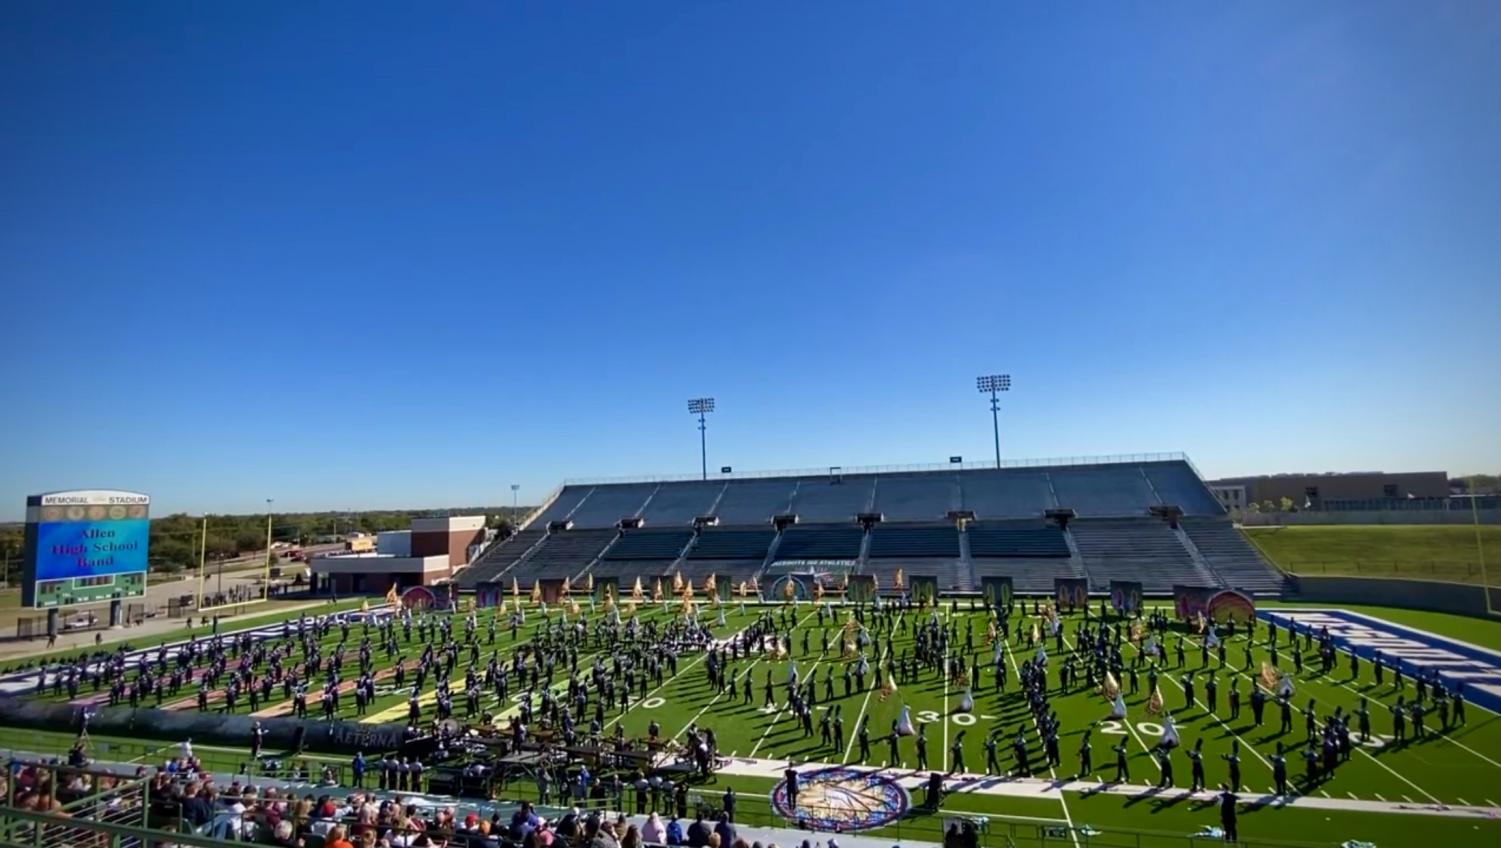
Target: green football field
[
  {"x": 1414, "y": 551},
  {"x": 1460, "y": 767}
]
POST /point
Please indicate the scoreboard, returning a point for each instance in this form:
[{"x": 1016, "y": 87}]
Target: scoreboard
[{"x": 85, "y": 546}]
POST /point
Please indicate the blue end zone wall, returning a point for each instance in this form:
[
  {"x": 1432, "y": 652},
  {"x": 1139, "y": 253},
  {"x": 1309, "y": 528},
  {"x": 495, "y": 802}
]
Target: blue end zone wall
[{"x": 1411, "y": 649}]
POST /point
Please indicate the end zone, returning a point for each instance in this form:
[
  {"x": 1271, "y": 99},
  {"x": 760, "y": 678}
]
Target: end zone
[{"x": 1408, "y": 648}]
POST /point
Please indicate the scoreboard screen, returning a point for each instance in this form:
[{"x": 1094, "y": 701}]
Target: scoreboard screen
[{"x": 85, "y": 546}]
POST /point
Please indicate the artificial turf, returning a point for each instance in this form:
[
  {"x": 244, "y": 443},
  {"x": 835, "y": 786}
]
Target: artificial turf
[{"x": 1460, "y": 766}]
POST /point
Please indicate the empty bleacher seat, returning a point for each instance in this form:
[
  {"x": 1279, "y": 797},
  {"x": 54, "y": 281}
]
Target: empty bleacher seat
[
  {"x": 1237, "y": 562},
  {"x": 989, "y": 539},
  {"x": 1176, "y": 483},
  {"x": 679, "y": 503},
  {"x": 733, "y": 543},
  {"x": 1145, "y": 550},
  {"x": 566, "y": 501},
  {"x": 914, "y": 541},
  {"x": 916, "y": 497},
  {"x": 499, "y": 557},
  {"x": 827, "y": 542},
  {"x": 1008, "y": 493},
  {"x": 606, "y": 505},
  {"x": 1105, "y": 491},
  {"x": 565, "y": 554},
  {"x": 750, "y": 502},
  {"x": 647, "y": 543},
  {"x": 819, "y": 499}
]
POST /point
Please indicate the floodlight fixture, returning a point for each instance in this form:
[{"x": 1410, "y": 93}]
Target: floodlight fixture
[
  {"x": 701, "y": 407},
  {"x": 993, "y": 385}
]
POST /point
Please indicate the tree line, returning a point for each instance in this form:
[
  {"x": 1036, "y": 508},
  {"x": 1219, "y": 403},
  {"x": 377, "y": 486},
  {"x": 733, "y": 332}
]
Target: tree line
[{"x": 175, "y": 539}]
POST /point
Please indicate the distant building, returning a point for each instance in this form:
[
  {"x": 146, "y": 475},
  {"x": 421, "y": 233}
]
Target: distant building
[
  {"x": 428, "y": 553},
  {"x": 1331, "y": 490}
]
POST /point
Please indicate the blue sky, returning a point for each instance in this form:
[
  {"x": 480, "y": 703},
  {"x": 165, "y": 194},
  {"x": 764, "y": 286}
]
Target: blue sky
[{"x": 363, "y": 255}]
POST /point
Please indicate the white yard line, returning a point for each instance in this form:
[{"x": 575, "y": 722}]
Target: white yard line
[
  {"x": 866, "y": 703},
  {"x": 1062, "y": 796},
  {"x": 733, "y": 690},
  {"x": 684, "y": 670},
  {"x": 1129, "y": 725},
  {"x": 1360, "y": 748},
  {"x": 776, "y": 716},
  {"x": 1248, "y": 746}
]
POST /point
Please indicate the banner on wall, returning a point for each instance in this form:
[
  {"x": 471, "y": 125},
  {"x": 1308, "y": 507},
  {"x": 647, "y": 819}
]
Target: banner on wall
[
  {"x": 1070, "y": 592},
  {"x": 998, "y": 592},
  {"x": 1125, "y": 596}
]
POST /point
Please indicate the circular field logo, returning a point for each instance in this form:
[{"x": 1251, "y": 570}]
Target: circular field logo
[{"x": 840, "y": 799}]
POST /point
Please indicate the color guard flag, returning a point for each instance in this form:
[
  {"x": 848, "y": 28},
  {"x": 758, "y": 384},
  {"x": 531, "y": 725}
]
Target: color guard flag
[
  {"x": 1154, "y": 703},
  {"x": 391, "y": 594},
  {"x": 1268, "y": 677},
  {"x": 1111, "y": 687}
]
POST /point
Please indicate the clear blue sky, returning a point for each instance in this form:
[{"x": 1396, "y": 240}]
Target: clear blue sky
[{"x": 361, "y": 255}]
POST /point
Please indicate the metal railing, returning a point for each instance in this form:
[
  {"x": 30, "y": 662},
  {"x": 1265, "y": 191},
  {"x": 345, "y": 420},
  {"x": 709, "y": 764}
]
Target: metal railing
[{"x": 847, "y": 470}]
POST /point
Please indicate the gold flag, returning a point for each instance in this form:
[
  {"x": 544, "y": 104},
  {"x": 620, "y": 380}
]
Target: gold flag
[
  {"x": 788, "y": 590},
  {"x": 1154, "y": 703},
  {"x": 637, "y": 593},
  {"x": 589, "y": 581},
  {"x": 817, "y": 590},
  {"x": 391, "y": 594},
  {"x": 1269, "y": 676},
  {"x": 573, "y": 608},
  {"x": 1036, "y": 632},
  {"x": 688, "y": 588},
  {"x": 1138, "y": 632},
  {"x": 515, "y": 588},
  {"x": 537, "y": 592},
  {"x": 656, "y": 593},
  {"x": 677, "y": 581},
  {"x": 898, "y": 580},
  {"x": 888, "y": 687},
  {"x": 1111, "y": 687},
  {"x": 567, "y": 587},
  {"x": 991, "y": 633},
  {"x": 1201, "y": 622},
  {"x": 744, "y": 589},
  {"x": 710, "y": 585}
]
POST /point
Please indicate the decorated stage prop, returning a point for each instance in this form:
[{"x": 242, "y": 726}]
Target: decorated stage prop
[
  {"x": 924, "y": 589},
  {"x": 1217, "y": 605},
  {"x": 549, "y": 590},
  {"x": 842, "y": 799},
  {"x": 1125, "y": 597},
  {"x": 606, "y": 587},
  {"x": 997, "y": 591},
  {"x": 860, "y": 588},
  {"x": 425, "y": 598},
  {"x": 1070, "y": 593}
]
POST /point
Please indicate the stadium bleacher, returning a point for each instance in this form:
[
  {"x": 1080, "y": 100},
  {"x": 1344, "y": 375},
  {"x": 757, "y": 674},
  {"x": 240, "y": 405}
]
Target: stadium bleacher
[
  {"x": 499, "y": 557},
  {"x": 606, "y": 505},
  {"x": 1233, "y": 558},
  {"x": 832, "y": 499},
  {"x": 648, "y": 543},
  {"x": 1031, "y": 539},
  {"x": 927, "y": 497},
  {"x": 1113, "y": 537},
  {"x": 829, "y": 541},
  {"x": 680, "y": 504},
  {"x": 1147, "y": 551}
]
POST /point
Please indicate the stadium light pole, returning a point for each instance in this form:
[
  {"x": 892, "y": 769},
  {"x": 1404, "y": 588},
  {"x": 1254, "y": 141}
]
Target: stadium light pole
[
  {"x": 994, "y": 384},
  {"x": 267, "y": 580},
  {"x": 701, "y": 407},
  {"x": 515, "y": 487}
]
